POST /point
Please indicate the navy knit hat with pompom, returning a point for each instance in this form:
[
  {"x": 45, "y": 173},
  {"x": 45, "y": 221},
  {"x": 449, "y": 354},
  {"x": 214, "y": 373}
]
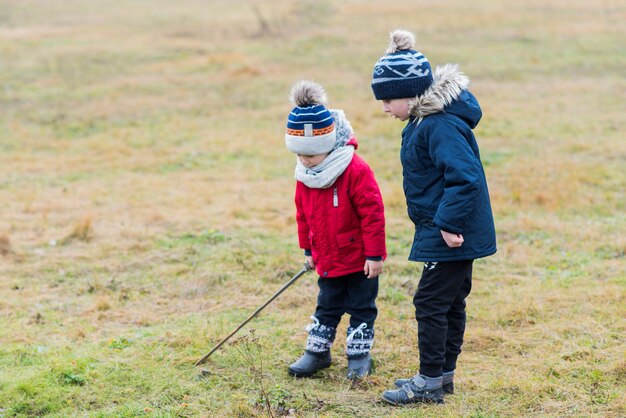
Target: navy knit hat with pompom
[
  {"x": 402, "y": 72},
  {"x": 310, "y": 126}
]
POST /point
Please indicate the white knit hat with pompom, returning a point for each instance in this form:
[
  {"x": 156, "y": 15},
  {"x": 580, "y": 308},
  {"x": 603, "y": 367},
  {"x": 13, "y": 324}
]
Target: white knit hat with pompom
[{"x": 310, "y": 126}]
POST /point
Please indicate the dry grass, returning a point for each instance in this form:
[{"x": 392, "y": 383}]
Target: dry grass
[
  {"x": 5, "y": 246},
  {"x": 149, "y": 142}
]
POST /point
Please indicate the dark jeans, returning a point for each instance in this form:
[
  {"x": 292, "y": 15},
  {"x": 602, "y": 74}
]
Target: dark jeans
[
  {"x": 440, "y": 313},
  {"x": 354, "y": 294}
]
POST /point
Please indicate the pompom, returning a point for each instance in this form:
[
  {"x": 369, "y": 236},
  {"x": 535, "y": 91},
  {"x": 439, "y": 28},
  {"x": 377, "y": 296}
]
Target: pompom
[
  {"x": 400, "y": 40},
  {"x": 307, "y": 93}
]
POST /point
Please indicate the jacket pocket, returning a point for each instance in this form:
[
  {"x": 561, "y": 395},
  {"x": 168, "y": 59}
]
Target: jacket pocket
[
  {"x": 345, "y": 239},
  {"x": 427, "y": 238},
  {"x": 430, "y": 238}
]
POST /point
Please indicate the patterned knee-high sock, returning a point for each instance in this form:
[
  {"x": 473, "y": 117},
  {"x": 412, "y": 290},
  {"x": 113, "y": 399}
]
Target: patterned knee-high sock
[
  {"x": 320, "y": 337},
  {"x": 360, "y": 341}
]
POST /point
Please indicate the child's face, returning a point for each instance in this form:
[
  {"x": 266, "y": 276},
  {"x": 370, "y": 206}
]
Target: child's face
[
  {"x": 398, "y": 108},
  {"x": 311, "y": 160}
]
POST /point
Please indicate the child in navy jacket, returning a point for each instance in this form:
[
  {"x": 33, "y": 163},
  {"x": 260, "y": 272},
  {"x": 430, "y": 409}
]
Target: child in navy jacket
[{"x": 448, "y": 201}]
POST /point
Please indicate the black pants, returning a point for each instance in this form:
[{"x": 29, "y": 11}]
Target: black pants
[
  {"x": 354, "y": 294},
  {"x": 440, "y": 313}
]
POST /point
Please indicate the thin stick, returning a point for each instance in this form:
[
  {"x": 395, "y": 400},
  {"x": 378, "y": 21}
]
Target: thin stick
[{"x": 281, "y": 290}]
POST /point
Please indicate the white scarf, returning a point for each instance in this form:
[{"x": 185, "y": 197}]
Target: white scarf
[{"x": 323, "y": 175}]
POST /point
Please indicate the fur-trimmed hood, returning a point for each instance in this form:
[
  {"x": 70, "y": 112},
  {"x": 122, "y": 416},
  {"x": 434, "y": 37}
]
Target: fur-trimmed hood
[{"x": 448, "y": 93}]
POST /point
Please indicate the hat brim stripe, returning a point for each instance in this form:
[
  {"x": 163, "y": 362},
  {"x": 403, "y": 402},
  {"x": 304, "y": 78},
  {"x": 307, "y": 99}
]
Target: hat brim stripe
[{"x": 316, "y": 132}]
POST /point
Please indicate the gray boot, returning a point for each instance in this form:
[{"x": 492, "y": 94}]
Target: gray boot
[
  {"x": 358, "y": 346},
  {"x": 420, "y": 389},
  {"x": 317, "y": 354},
  {"x": 309, "y": 363},
  {"x": 447, "y": 382},
  {"x": 360, "y": 367}
]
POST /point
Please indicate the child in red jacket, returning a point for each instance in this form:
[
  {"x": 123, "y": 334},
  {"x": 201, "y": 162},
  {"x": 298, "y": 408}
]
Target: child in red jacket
[{"x": 341, "y": 228}]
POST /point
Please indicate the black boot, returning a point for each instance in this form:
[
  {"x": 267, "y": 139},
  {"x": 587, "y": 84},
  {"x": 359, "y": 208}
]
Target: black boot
[
  {"x": 317, "y": 354},
  {"x": 358, "y": 345},
  {"x": 309, "y": 363}
]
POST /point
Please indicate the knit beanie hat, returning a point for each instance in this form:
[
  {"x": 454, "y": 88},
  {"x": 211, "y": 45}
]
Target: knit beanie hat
[
  {"x": 310, "y": 126},
  {"x": 343, "y": 128},
  {"x": 402, "y": 72}
]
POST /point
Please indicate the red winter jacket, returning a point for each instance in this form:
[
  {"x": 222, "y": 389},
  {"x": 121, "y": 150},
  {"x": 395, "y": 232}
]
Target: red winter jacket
[{"x": 341, "y": 236}]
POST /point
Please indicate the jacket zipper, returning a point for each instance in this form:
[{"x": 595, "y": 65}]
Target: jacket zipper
[{"x": 335, "y": 198}]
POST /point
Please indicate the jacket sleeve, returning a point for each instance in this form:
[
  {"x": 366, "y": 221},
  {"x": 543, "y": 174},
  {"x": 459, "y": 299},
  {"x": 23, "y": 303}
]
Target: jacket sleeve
[
  {"x": 303, "y": 226},
  {"x": 368, "y": 203},
  {"x": 452, "y": 155}
]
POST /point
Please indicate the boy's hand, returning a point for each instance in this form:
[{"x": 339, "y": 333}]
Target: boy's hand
[
  {"x": 373, "y": 268},
  {"x": 453, "y": 240},
  {"x": 309, "y": 259}
]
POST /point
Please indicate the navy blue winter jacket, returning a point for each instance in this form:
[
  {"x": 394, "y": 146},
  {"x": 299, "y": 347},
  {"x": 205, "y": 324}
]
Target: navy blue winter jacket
[{"x": 444, "y": 180}]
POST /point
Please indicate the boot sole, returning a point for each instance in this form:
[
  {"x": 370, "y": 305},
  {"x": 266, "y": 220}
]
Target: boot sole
[{"x": 412, "y": 401}]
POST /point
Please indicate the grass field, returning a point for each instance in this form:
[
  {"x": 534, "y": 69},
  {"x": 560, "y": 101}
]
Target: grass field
[{"x": 146, "y": 205}]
